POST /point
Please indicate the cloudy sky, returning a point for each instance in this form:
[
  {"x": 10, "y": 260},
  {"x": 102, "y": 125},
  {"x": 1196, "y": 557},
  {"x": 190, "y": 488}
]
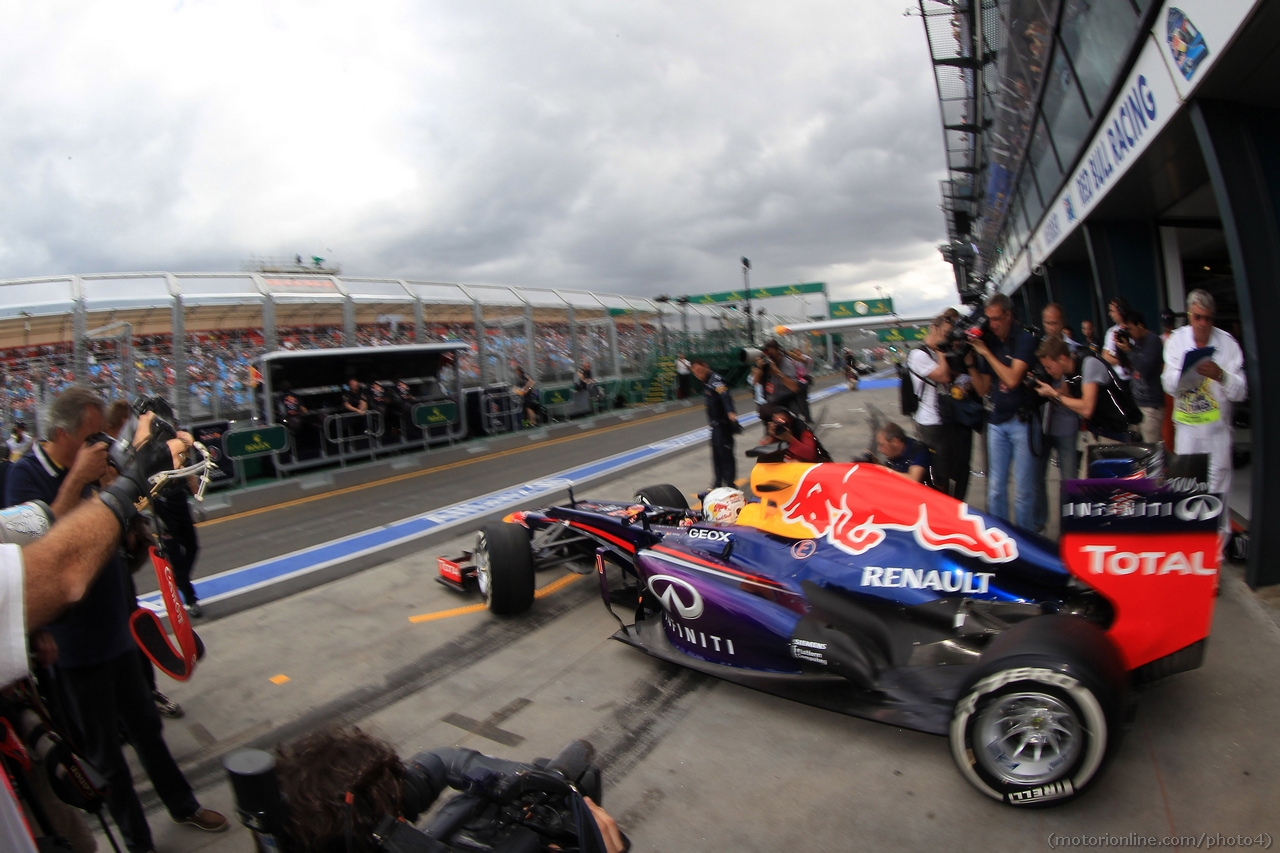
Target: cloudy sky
[{"x": 634, "y": 148}]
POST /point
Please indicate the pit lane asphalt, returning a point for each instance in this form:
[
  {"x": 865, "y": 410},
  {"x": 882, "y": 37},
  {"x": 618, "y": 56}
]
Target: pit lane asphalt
[
  {"x": 239, "y": 539},
  {"x": 692, "y": 763}
]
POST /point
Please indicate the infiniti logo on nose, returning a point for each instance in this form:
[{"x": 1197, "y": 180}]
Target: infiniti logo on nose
[
  {"x": 673, "y": 592},
  {"x": 1198, "y": 508}
]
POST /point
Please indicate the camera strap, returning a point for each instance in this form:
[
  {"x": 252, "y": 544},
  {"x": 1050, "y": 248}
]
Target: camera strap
[{"x": 148, "y": 632}]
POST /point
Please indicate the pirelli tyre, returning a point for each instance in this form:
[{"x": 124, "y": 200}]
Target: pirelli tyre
[
  {"x": 504, "y": 568},
  {"x": 665, "y": 496},
  {"x": 1038, "y": 718}
]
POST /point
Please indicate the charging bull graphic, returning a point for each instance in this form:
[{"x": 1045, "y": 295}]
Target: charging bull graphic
[{"x": 883, "y": 500}]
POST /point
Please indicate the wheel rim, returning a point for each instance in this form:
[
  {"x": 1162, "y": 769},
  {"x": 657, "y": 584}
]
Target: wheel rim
[
  {"x": 1028, "y": 738},
  {"x": 483, "y": 578}
]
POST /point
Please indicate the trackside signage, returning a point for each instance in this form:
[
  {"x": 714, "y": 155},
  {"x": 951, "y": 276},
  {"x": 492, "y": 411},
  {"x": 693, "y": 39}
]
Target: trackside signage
[
  {"x": 243, "y": 443},
  {"x": 434, "y": 414},
  {"x": 1187, "y": 38}
]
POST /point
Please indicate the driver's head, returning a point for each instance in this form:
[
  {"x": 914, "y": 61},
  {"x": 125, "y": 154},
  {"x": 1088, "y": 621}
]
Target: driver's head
[
  {"x": 721, "y": 506},
  {"x": 891, "y": 441},
  {"x": 318, "y": 770}
]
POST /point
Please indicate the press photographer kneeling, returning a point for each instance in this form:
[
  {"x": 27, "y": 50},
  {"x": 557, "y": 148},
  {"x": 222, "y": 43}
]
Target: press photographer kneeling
[
  {"x": 344, "y": 791},
  {"x": 1080, "y": 389}
]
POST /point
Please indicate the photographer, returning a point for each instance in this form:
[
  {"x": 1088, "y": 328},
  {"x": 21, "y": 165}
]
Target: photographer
[
  {"x": 802, "y": 444},
  {"x": 1069, "y": 404},
  {"x": 1112, "y": 353},
  {"x": 1146, "y": 360},
  {"x": 776, "y": 372},
  {"x": 1005, "y": 353},
  {"x": 1093, "y": 393},
  {"x": 804, "y": 373},
  {"x": 907, "y": 456},
  {"x": 951, "y": 442},
  {"x": 41, "y": 578},
  {"x": 96, "y": 654},
  {"x": 319, "y": 772}
]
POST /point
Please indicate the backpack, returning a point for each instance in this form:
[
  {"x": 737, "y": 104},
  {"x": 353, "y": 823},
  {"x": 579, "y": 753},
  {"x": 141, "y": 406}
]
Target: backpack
[
  {"x": 907, "y": 398},
  {"x": 1114, "y": 411}
]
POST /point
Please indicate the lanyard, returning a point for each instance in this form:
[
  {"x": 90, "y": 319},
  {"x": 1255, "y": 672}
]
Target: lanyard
[{"x": 148, "y": 632}]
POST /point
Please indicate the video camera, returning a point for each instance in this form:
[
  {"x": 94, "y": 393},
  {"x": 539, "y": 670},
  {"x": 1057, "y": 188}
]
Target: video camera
[
  {"x": 503, "y": 806},
  {"x": 959, "y": 341}
]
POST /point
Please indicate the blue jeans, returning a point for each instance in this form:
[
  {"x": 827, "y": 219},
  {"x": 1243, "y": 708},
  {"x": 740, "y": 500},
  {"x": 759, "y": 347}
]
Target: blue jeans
[
  {"x": 1064, "y": 447},
  {"x": 1007, "y": 447}
]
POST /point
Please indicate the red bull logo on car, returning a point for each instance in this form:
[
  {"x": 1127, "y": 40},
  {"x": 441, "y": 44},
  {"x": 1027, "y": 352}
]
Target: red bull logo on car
[{"x": 853, "y": 505}]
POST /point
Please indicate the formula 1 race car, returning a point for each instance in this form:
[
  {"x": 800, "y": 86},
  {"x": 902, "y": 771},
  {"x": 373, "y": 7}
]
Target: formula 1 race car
[{"x": 852, "y": 588}]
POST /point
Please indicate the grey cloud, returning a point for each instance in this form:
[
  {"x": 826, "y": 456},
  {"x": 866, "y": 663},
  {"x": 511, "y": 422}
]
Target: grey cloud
[{"x": 640, "y": 150}]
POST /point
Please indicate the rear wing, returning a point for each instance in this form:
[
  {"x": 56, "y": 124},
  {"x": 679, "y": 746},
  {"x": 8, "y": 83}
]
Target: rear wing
[{"x": 1152, "y": 550}]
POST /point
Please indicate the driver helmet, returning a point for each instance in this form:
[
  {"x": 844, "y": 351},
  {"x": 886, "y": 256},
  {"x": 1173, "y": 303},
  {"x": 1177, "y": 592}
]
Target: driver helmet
[{"x": 721, "y": 506}]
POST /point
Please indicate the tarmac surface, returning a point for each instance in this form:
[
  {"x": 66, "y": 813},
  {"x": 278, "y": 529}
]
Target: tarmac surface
[{"x": 690, "y": 762}]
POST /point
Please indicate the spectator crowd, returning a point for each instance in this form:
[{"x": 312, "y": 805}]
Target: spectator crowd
[{"x": 218, "y": 363}]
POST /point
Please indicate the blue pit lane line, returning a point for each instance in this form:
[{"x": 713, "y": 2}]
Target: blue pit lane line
[{"x": 277, "y": 569}]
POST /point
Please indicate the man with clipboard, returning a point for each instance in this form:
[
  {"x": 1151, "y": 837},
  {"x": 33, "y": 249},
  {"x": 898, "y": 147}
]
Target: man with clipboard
[{"x": 1204, "y": 373}]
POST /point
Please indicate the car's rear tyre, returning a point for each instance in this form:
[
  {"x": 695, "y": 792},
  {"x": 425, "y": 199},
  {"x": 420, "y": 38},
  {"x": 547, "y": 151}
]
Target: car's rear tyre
[
  {"x": 504, "y": 568},
  {"x": 665, "y": 496},
  {"x": 1035, "y": 724}
]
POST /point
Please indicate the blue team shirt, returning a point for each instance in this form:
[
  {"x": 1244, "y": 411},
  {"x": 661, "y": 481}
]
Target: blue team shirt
[
  {"x": 715, "y": 393},
  {"x": 96, "y": 629},
  {"x": 1005, "y": 403},
  {"x": 913, "y": 453}
]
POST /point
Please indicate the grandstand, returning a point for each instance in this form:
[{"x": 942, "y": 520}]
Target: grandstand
[{"x": 131, "y": 333}]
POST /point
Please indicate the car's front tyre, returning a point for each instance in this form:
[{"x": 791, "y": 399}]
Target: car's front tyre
[{"x": 504, "y": 568}]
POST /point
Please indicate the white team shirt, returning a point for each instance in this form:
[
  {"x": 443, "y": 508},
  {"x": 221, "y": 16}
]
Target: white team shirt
[
  {"x": 1205, "y": 405},
  {"x": 921, "y": 363}
]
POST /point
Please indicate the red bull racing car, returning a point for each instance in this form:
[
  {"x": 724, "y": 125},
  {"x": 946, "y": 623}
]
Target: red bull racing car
[{"x": 851, "y": 588}]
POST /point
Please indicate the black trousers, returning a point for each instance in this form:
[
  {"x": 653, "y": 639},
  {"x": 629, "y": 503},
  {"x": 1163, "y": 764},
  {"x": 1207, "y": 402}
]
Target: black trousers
[
  {"x": 952, "y": 445},
  {"x": 105, "y": 697},
  {"x": 723, "y": 463},
  {"x": 181, "y": 544}
]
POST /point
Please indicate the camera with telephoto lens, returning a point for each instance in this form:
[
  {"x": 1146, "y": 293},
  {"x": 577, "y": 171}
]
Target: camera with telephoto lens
[
  {"x": 71, "y": 777},
  {"x": 163, "y": 423},
  {"x": 504, "y": 806}
]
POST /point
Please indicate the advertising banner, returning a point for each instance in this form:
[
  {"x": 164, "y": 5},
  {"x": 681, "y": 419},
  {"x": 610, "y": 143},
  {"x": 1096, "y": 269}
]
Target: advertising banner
[
  {"x": 860, "y": 308},
  {"x": 759, "y": 293}
]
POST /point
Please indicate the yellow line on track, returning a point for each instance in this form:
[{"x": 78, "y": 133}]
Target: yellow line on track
[
  {"x": 410, "y": 475},
  {"x": 550, "y": 589},
  {"x": 557, "y": 585},
  {"x": 445, "y": 614}
]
